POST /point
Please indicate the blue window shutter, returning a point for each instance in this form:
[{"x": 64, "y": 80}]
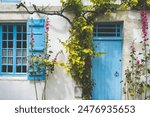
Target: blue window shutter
[{"x": 38, "y": 30}]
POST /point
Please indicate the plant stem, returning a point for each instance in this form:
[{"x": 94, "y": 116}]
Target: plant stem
[
  {"x": 44, "y": 89},
  {"x": 146, "y": 67},
  {"x": 132, "y": 75},
  {"x": 127, "y": 91},
  {"x": 36, "y": 93}
]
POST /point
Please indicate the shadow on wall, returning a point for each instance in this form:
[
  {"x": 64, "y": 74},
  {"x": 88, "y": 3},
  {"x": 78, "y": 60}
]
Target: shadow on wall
[{"x": 60, "y": 86}]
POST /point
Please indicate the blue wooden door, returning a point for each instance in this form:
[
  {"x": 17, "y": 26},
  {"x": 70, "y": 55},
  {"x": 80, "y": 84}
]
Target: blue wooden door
[{"x": 107, "y": 69}]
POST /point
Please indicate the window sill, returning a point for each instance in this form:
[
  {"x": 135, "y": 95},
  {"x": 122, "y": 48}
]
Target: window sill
[{"x": 22, "y": 77}]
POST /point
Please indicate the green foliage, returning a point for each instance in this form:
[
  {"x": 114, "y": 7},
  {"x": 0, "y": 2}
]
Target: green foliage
[
  {"x": 137, "y": 4},
  {"x": 101, "y": 2},
  {"x": 80, "y": 49},
  {"x": 74, "y": 6}
]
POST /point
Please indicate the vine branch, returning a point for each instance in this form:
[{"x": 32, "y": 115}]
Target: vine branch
[{"x": 41, "y": 11}]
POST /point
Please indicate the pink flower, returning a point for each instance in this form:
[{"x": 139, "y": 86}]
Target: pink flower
[
  {"x": 137, "y": 61},
  {"x": 133, "y": 49},
  {"x": 32, "y": 39},
  {"x": 144, "y": 22},
  {"x": 145, "y": 40},
  {"x": 47, "y": 25},
  {"x": 47, "y": 28}
]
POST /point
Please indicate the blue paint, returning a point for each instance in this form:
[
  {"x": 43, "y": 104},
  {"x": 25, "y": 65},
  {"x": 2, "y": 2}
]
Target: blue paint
[
  {"x": 37, "y": 25},
  {"x": 107, "y": 69},
  {"x": 0, "y": 48},
  {"x": 14, "y": 47}
]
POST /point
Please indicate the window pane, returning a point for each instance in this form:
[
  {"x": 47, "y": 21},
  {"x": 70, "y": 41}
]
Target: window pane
[
  {"x": 24, "y": 28},
  {"x": 4, "y": 60},
  {"x": 107, "y": 25},
  {"x": 10, "y": 60},
  {"x": 18, "y": 61},
  {"x": 10, "y": 44},
  {"x": 24, "y": 36},
  {"x": 19, "y": 44},
  {"x": 4, "y": 44},
  {"x": 4, "y": 68},
  {"x": 18, "y": 68},
  {"x": 19, "y": 28},
  {"x": 118, "y": 30},
  {"x": 24, "y": 69},
  {"x": 24, "y": 60},
  {"x": 24, "y": 44},
  {"x": 4, "y": 52},
  {"x": 10, "y": 36},
  {"x": 4, "y": 28},
  {"x": 106, "y": 35},
  {"x": 10, "y": 68},
  {"x": 4, "y": 36},
  {"x": 24, "y": 52},
  {"x": 10, "y": 52},
  {"x": 118, "y": 35},
  {"x": 10, "y": 28},
  {"x": 107, "y": 30},
  {"x": 18, "y": 36},
  {"x": 18, "y": 52}
]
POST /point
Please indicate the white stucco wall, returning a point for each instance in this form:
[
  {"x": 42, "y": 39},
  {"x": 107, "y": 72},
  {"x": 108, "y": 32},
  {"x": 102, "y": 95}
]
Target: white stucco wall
[{"x": 60, "y": 85}]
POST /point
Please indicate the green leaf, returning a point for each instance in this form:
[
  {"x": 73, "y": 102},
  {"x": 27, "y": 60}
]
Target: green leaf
[
  {"x": 88, "y": 51},
  {"x": 132, "y": 94},
  {"x": 99, "y": 54}
]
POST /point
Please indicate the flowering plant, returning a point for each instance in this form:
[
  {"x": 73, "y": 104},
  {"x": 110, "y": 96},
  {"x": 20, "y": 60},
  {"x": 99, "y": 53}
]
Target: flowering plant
[
  {"x": 36, "y": 62},
  {"x": 137, "y": 81},
  {"x": 41, "y": 62}
]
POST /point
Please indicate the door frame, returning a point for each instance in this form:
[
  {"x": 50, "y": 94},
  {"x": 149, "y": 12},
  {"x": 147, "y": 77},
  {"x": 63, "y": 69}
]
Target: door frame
[{"x": 111, "y": 38}]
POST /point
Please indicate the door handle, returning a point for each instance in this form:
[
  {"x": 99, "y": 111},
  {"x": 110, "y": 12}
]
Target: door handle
[{"x": 116, "y": 74}]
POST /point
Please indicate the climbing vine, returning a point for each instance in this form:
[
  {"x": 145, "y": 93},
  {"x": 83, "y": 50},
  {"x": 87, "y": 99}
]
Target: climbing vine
[{"x": 79, "y": 47}]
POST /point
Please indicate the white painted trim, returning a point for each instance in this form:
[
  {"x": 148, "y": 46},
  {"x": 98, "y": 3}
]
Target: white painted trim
[{"x": 13, "y": 78}]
